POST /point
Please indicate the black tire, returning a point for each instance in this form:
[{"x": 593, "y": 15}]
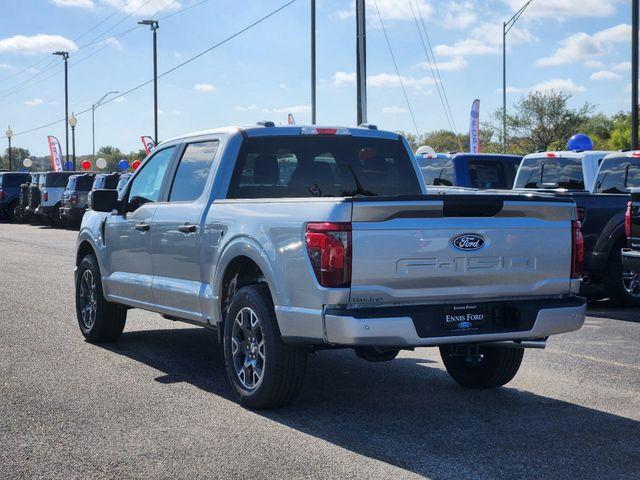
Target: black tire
[
  {"x": 12, "y": 214},
  {"x": 102, "y": 321},
  {"x": 492, "y": 368},
  {"x": 614, "y": 286},
  {"x": 279, "y": 367}
]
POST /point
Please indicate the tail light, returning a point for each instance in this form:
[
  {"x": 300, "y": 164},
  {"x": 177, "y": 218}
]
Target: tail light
[
  {"x": 577, "y": 250},
  {"x": 1, "y": 194},
  {"x": 581, "y": 214},
  {"x": 45, "y": 196},
  {"x": 329, "y": 248},
  {"x": 627, "y": 220},
  {"x": 73, "y": 199}
]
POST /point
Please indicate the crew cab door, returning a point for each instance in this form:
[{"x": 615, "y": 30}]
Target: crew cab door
[
  {"x": 127, "y": 235},
  {"x": 177, "y": 235}
]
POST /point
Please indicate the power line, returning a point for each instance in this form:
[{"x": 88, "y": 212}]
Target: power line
[
  {"x": 395, "y": 64},
  {"x": 173, "y": 69}
]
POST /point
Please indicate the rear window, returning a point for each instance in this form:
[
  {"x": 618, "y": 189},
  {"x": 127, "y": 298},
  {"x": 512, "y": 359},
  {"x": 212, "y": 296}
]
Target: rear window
[
  {"x": 437, "y": 171},
  {"x": 322, "y": 166},
  {"x": 550, "y": 172},
  {"x": 84, "y": 183},
  {"x": 111, "y": 182},
  {"x": 57, "y": 180},
  {"x": 12, "y": 180},
  {"x": 618, "y": 175},
  {"x": 488, "y": 174}
]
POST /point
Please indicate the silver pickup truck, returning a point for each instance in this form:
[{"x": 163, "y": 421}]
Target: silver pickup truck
[{"x": 292, "y": 239}]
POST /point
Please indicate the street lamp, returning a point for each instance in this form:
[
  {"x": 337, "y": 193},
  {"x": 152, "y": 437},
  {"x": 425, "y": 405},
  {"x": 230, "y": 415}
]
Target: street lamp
[
  {"x": 506, "y": 27},
  {"x": 93, "y": 120},
  {"x": 154, "y": 27},
  {"x": 73, "y": 121},
  {"x": 65, "y": 57},
  {"x": 9, "y": 134}
]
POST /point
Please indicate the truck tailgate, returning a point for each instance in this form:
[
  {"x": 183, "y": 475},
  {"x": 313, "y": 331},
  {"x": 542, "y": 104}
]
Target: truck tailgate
[{"x": 460, "y": 247}]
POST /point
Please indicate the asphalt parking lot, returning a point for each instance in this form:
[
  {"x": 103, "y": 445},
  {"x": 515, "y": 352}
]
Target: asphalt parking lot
[{"x": 157, "y": 403}]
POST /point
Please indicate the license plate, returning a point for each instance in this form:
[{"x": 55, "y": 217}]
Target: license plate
[{"x": 464, "y": 317}]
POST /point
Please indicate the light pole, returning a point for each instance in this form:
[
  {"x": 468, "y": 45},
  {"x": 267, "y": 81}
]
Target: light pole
[
  {"x": 634, "y": 74},
  {"x": 65, "y": 57},
  {"x": 361, "y": 62},
  {"x": 313, "y": 62},
  {"x": 73, "y": 121},
  {"x": 154, "y": 27},
  {"x": 506, "y": 26},
  {"x": 9, "y": 134},
  {"x": 93, "y": 122}
]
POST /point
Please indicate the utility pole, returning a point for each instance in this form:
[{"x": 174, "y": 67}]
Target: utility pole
[
  {"x": 65, "y": 57},
  {"x": 153, "y": 24},
  {"x": 634, "y": 74},
  {"x": 9, "y": 133},
  {"x": 313, "y": 62},
  {"x": 361, "y": 61},
  {"x": 93, "y": 121},
  {"x": 506, "y": 27}
]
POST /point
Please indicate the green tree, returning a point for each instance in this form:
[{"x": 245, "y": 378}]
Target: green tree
[{"x": 17, "y": 156}]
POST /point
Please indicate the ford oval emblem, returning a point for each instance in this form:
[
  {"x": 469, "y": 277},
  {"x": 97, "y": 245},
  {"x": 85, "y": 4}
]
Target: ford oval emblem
[
  {"x": 468, "y": 241},
  {"x": 464, "y": 325}
]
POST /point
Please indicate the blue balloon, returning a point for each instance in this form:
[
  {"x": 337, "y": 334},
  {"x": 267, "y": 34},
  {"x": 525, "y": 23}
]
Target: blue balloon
[
  {"x": 580, "y": 141},
  {"x": 68, "y": 166},
  {"x": 123, "y": 164}
]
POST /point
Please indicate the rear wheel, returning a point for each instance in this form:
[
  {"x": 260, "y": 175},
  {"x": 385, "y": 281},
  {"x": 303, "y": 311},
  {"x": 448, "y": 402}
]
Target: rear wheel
[
  {"x": 264, "y": 371},
  {"x": 99, "y": 320},
  {"x": 484, "y": 367},
  {"x": 14, "y": 211},
  {"x": 621, "y": 285}
]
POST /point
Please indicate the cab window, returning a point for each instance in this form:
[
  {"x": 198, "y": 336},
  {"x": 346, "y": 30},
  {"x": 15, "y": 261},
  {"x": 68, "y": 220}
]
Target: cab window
[
  {"x": 193, "y": 170},
  {"x": 147, "y": 185}
]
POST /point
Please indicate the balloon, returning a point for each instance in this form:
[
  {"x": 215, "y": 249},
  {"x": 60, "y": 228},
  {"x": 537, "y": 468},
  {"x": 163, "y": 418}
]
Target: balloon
[
  {"x": 27, "y": 162},
  {"x": 427, "y": 151},
  {"x": 86, "y": 165},
  {"x": 136, "y": 164},
  {"x": 580, "y": 141},
  {"x": 68, "y": 166},
  {"x": 123, "y": 164},
  {"x": 101, "y": 163}
]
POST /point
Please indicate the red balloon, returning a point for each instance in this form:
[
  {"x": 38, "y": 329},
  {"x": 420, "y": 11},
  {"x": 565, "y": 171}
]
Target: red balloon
[
  {"x": 136, "y": 164},
  {"x": 86, "y": 165}
]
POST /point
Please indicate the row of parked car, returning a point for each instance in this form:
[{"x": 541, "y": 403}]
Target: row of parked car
[
  {"x": 598, "y": 182},
  {"x": 59, "y": 198}
]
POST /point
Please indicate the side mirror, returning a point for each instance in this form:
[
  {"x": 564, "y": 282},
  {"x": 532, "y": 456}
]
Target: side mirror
[{"x": 104, "y": 200}]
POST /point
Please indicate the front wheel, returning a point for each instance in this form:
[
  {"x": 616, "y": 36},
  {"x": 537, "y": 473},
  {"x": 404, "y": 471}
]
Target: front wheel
[
  {"x": 621, "y": 285},
  {"x": 264, "y": 371},
  {"x": 99, "y": 320},
  {"x": 488, "y": 367}
]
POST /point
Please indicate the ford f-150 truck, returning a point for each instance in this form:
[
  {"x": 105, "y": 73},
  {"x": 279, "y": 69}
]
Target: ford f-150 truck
[{"x": 291, "y": 239}]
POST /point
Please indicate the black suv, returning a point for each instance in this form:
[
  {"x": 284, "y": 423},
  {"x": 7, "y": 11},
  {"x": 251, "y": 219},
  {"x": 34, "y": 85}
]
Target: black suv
[{"x": 75, "y": 198}]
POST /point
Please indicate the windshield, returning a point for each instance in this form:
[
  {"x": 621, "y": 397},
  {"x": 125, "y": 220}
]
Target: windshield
[
  {"x": 488, "y": 174},
  {"x": 123, "y": 181},
  {"x": 84, "y": 183},
  {"x": 436, "y": 171},
  {"x": 618, "y": 175},
  {"x": 550, "y": 172},
  {"x": 322, "y": 166}
]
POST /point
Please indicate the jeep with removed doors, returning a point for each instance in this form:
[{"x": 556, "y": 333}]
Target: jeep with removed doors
[
  {"x": 291, "y": 239},
  {"x": 601, "y": 211},
  {"x": 10, "y": 193}
]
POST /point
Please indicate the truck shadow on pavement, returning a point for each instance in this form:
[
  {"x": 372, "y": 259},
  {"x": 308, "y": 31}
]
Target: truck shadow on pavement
[
  {"x": 410, "y": 414},
  {"x": 607, "y": 311}
]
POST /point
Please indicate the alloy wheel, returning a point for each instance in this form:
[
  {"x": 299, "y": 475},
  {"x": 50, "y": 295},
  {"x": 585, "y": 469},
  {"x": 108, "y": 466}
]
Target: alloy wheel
[
  {"x": 248, "y": 348},
  {"x": 88, "y": 299}
]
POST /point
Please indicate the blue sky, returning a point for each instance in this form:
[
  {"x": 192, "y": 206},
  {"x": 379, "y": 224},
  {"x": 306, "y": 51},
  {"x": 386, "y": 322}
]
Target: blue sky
[{"x": 580, "y": 46}]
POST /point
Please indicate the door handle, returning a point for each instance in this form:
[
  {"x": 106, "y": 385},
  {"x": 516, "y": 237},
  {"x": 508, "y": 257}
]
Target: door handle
[
  {"x": 189, "y": 228},
  {"x": 142, "y": 227}
]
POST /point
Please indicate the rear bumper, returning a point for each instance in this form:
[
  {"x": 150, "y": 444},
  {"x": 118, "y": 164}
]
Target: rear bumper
[
  {"x": 44, "y": 211},
  {"x": 71, "y": 213},
  {"x": 631, "y": 259},
  {"x": 421, "y": 326}
]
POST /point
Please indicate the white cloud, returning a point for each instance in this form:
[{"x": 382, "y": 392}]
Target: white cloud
[
  {"x": 622, "y": 67},
  {"x": 33, "y": 45},
  {"x": 561, "y": 9},
  {"x": 34, "y": 102},
  {"x": 382, "y": 80},
  {"x": 343, "y": 78},
  {"x": 560, "y": 84},
  {"x": 293, "y": 109},
  {"x": 204, "y": 87},
  {"x": 73, "y": 3},
  {"x": 605, "y": 75},
  {"x": 491, "y": 34},
  {"x": 249, "y": 108},
  {"x": 6, "y": 66},
  {"x": 389, "y": 10},
  {"x": 468, "y": 46},
  {"x": 593, "y": 64},
  {"x": 583, "y": 47},
  {"x": 114, "y": 42},
  {"x": 455, "y": 63},
  {"x": 394, "y": 110},
  {"x": 459, "y": 15},
  {"x": 283, "y": 86},
  {"x": 144, "y": 7},
  {"x": 120, "y": 99},
  {"x": 177, "y": 55}
]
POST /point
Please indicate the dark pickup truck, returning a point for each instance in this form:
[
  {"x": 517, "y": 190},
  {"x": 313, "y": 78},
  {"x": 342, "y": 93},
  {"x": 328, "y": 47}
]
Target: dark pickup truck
[
  {"x": 601, "y": 211},
  {"x": 631, "y": 254},
  {"x": 10, "y": 193},
  {"x": 473, "y": 170}
]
